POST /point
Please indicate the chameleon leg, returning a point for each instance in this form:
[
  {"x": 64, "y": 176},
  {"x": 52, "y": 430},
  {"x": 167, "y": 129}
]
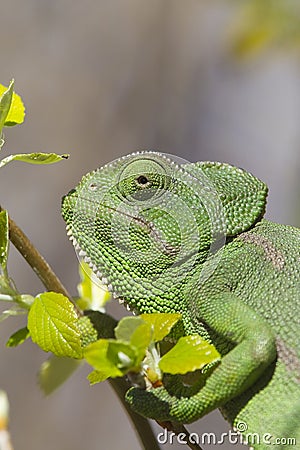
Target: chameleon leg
[{"x": 255, "y": 349}]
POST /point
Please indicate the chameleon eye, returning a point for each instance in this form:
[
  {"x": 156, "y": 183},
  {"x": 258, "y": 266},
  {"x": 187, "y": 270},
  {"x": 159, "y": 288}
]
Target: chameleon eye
[
  {"x": 93, "y": 187},
  {"x": 143, "y": 179}
]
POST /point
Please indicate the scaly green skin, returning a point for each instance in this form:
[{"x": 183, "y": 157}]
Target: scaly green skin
[{"x": 148, "y": 226}]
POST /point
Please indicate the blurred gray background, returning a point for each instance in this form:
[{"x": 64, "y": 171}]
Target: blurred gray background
[{"x": 205, "y": 80}]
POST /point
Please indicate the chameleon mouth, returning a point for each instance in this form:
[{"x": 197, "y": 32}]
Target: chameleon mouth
[{"x": 102, "y": 278}]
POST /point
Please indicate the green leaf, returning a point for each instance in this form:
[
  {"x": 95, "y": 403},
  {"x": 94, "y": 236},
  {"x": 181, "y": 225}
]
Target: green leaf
[
  {"x": 53, "y": 325},
  {"x": 111, "y": 358},
  {"x": 115, "y": 357},
  {"x": 137, "y": 332},
  {"x": 5, "y": 103},
  {"x": 140, "y": 340},
  {"x": 34, "y": 158},
  {"x": 126, "y": 327},
  {"x": 18, "y": 337},
  {"x": 189, "y": 354},
  {"x": 96, "y": 355},
  {"x": 122, "y": 355},
  {"x": 161, "y": 323},
  {"x": 16, "y": 110},
  {"x": 4, "y": 239},
  {"x": 55, "y": 371},
  {"x": 97, "y": 376},
  {"x": 94, "y": 295}
]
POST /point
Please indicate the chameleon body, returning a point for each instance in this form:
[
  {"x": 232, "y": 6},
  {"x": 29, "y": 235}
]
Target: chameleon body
[{"x": 191, "y": 238}]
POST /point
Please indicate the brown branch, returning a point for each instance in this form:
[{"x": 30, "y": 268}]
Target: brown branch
[{"x": 142, "y": 425}]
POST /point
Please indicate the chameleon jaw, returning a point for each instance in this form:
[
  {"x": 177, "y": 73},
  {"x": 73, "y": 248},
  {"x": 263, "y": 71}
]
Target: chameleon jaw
[{"x": 104, "y": 281}]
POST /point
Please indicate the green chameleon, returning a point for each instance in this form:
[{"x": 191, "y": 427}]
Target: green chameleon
[{"x": 166, "y": 235}]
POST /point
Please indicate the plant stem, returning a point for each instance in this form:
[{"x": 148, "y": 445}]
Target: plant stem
[{"x": 142, "y": 425}]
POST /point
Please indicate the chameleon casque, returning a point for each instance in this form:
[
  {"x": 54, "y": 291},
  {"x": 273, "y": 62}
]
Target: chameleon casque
[{"x": 166, "y": 235}]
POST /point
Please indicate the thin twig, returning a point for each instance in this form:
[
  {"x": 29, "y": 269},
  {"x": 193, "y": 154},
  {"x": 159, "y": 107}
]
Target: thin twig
[{"x": 142, "y": 425}]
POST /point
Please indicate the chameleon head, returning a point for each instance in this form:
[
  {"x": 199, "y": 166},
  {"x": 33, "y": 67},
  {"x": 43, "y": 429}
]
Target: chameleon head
[{"x": 144, "y": 223}]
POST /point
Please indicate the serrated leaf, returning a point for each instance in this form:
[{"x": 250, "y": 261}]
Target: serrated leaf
[
  {"x": 94, "y": 295},
  {"x": 5, "y": 103},
  {"x": 96, "y": 355},
  {"x": 4, "y": 239},
  {"x": 53, "y": 325},
  {"x": 55, "y": 371},
  {"x": 16, "y": 111},
  {"x": 189, "y": 354},
  {"x": 161, "y": 323},
  {"x": 18, "y": 337},
  {"x": 34, "y": 158}
]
